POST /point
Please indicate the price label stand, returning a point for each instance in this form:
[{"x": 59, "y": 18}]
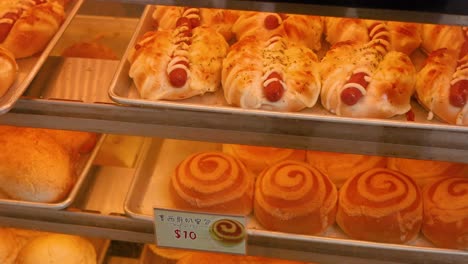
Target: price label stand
[{"x": 200, "y": 231}]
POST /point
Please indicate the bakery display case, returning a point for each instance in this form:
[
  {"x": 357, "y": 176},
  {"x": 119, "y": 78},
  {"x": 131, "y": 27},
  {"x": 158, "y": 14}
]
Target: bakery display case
[{"x": 91, "y": 79}]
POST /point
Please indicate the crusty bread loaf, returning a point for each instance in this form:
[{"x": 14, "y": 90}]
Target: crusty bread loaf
[
  {"x": 33, "y": 166},
  {"x": 57, "y": 248}
]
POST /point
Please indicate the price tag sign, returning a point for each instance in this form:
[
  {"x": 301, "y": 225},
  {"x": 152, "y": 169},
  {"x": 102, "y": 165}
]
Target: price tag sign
[{"x": 200, "y": 231}]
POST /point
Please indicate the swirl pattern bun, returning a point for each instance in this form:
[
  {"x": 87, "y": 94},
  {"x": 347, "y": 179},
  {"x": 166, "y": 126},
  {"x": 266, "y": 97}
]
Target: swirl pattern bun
[
  {"x": 213, "y": 182},
  {"x": 294, "y": 197},
  {"x": 446, "y": 213},
  {"x": 258, "y": 158},
  {"x": 380, "y": 205},
  {"x": 340, "y": 166},
  {"x": 425, "y": 171}
]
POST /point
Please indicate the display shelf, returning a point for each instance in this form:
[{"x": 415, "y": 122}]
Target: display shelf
[{"x": 438, "y": 12}]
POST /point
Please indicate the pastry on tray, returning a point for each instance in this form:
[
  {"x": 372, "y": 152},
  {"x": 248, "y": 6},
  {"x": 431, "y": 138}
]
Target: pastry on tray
[
  {"x": 179, "y": 63},
  {"x": 442, "y": 84},
  {"x": 380, "y": 205},
  {"x": 221, "y": 20},
  {"x": 367, "y": 80},
  {"x": 27, "y": 26},
  {"x": 273, "y": 74},
  {"x": 8, "y": 70},
  {"x": 300, "y": 29},
  {"x": 212, "y": 182},
  {"x": 294, "y": 197}
]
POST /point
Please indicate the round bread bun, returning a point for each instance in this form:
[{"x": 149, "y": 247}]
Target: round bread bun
[
  {"x": 167, "y": 255},
  {"x": 8, "y": 246},
  {"x": 446, "y": 213},
  {"x": 258, "y": 158},
  {"x": 380, "y": 205},
  {"x": 425, "y": 171},
  {"x": 57, "y": 248},
  {"x": 33, "y": 166}
]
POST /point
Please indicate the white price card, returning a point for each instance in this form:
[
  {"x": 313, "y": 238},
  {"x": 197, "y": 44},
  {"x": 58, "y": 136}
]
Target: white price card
[{"x": 200, "y": 231}]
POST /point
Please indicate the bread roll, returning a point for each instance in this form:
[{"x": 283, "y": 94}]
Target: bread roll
[
  {"x": 258, "y": 158},
  {"x": 77, "y": 142},
  {"x": 340, "y": 166},
  {"x": 380, "y": 205},
  {"x": 367, "y": 80},
  {"x": 446, "y": 212},
  {"x": 33, "y": 166},
  {"x": 166, "y": 255},
  {"x": 214, "y": 258},
  {"x": 338, "y": 29},
  {"x": 299, "y": 29},
  {"x": 436, "y": 37},
  {"x": 213, "y": 182},
  {"x": 57, "y": 248},
  {"x": 8, "y": 70},
  {"x": 425, "y": 171},
  {"x": 294, "y": 197},
  {"x": 9, "y": 247}
]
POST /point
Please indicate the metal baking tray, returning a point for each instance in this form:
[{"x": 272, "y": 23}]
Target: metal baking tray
[
  {"x": 150, "y": 188},
  {"x": 29, "y": 67},
  {"x": 123, "y": 90},
  {"x": 83, "y": 166}
]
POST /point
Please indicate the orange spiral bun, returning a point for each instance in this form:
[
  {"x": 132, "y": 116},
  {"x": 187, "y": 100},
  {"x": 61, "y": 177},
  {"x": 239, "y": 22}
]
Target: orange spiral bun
[
  {"x": 294, "y": 197},
  {"x": 446, "y": 213},
  {"x": 258, "y": 158},
  {"x": 425, "y": 171},
  {"x": 340, "y": 166},
  {"x": 213, "y": 182},
  {"x": 380, "y": 205}
]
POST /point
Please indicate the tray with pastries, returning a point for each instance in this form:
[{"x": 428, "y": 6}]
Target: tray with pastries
[
  {"x": 29, "y": 31},
  {"x": 24, "y": 246},
  {"x": 296, "y": 66},
  {"x": 318, "y": 199},
  {"x": 44, "y": 168}
]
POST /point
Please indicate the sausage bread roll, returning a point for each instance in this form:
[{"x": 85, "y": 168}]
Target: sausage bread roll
[
  {"x": 26, "y": 26},
  {"x": 306, "y": 30},
  {"x": 274, "y": 75},
  {"x": 8, "y": 70},
  {"x": 367, "y": 80},
  {"x": 178, "y": 64}
]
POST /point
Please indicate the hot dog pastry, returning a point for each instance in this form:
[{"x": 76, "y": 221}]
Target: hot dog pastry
[
  {"x": 274, "y": 74},
  {"x": 403, "y": 37},
  {"x": 178, "y": 64},
  {"x": 436, "y": 37},
  {"x": 221, "y": 20},
  {"x": 442, "y": 84},
  {"x": 8, "y": 70},
  {"x": 26, "y": 26},
  {"x": 367, "y": 80},
  {"x": 306, "y": 30}
]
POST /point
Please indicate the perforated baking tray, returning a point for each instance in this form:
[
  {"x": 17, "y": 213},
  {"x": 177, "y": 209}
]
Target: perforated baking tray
[
  {"x": 82, "y": 168},
  {"x": 150, "y": 188},
  {"x": 29, "y": 67}
]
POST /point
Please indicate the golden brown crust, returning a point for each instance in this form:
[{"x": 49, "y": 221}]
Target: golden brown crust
[
  {"x": 380, "y": 205},
  {"x": 208, "y": 258},
  {"x": 8, "y": 70},
  {"x": 436, "y": 37},
  {"x": 221, "y": 20},
  {"x": 426, "y": 171},
  {"x": 258, "y": 158},
  {"x": 404, "y": 37},
  {"x": 392, "y": 79},
  {"x": 34, "y": 167},
  {"x": 305, "y": 30},
  {"x": 213, "y": 182},
  {"x": 446, "y": 213},
  {"x": 152, "y": 55},
  {"x": 294, "y": 197},
  {"x": 251, "y": 60},
  {"x": 340, "y": 166},
  {"x": 433, "y": 87},
  {"x": 340, "y": 29},
  {"x": 34, "y": 29}
]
